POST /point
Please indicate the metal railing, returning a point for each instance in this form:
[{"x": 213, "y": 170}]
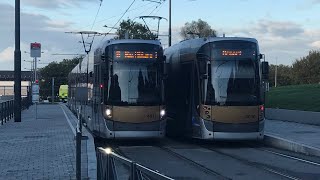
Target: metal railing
[
  {"x": 7, "y": 108},
  {"x": 6, "y": 111},
  {"x": 111, "y": 166},
  {"x": 9, "y": 90}
]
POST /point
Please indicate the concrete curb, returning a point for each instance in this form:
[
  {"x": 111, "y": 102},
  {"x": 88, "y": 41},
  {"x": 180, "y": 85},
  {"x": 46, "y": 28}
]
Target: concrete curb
[
  {"x": 276, "y": 141},
  {"x": 91, "y": 154}
]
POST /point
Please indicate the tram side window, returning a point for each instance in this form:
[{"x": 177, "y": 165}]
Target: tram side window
[{"x": 210, "y": 91}]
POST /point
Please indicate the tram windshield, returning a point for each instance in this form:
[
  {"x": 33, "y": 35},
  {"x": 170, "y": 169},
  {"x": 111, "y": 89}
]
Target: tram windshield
[
  {"x": 233, "y": 75},
  {"x": 134, "y": 84},
  {"x": 135, "y": 78}
]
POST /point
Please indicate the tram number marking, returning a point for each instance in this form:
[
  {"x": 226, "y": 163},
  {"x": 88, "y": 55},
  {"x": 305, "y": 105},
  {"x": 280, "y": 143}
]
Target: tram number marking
[{"x": 151, "y": 116}]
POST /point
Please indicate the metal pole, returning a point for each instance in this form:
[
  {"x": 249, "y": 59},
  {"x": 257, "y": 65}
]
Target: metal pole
[
  {"x": 169, "y": 23},
  {"x": 36, "y": 104},
  {"x": 35, "y": 69},
  {"x": 78, "y": 148},
  {"x": 275, "y": 74},
  {"x": 78, "y": 154},
  {"x": 17, "y": 65},
  {"x": 52, "y": 91},
  {"x": 32, "y": 69}
]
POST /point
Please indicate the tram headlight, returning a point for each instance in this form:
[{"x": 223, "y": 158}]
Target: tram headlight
[
  {"x": 108, "y": 113},
  {"x": 162, "y": 113}
]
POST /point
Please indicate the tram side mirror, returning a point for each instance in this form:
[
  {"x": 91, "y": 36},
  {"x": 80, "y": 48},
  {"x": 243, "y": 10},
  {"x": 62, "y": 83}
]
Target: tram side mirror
[
  {"x": 165, "y": 70},
  {"x": 164, "y": 58},
  {"x": 203, "y": 69},
  {"x": 90, "y": 74},
  {"x": 103, "y": 57},
  {"x": 265, "y": 69},
  {"x": 261, "y": 56}
]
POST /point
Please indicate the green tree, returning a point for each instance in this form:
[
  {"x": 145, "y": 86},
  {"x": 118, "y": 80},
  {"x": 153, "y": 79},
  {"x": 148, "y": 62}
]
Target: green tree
[
  {"x": 135, "y": 30},
  {"x": 57, "y": 70},
  {"x": 284, "y": 75},
  {"x": 307, "y": 69},
  {"x": 196, "y": 29}
]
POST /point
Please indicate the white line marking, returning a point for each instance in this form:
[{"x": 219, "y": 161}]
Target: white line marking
[
  {"x": 73, "y": 130},
  {"x": 74, "y": 119},
  {"x": 292, "y": 157}
]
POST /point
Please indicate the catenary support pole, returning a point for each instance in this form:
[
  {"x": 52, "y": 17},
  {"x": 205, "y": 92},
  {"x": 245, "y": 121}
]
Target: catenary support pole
[
  {"x": 52, "y": 90},
  {"x": 17, "y": 65}
]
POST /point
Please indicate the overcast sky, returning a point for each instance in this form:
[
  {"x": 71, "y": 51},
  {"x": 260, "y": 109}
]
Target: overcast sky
[{"x": 286, "y": 29}]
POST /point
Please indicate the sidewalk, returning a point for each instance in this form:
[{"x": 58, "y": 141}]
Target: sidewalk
[
  {"x": 304, "y": 117},
  {"x": 302, "y": 138},
  {"x": 42, "y": 148}
]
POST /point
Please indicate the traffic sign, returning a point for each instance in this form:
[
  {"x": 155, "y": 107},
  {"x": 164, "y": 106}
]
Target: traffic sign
[
  {"x": 35, "y": 49},
  {"x": 35, "y": 98},
  {"x": 35, "y": 93}
]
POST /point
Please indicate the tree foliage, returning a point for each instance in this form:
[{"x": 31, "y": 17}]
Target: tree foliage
[
  {"x": 284, "y": 75},
  {"x": 135, "y": 30},
  {"x": 305, "y": 70},
  {"x": 196, "y": 29},
  {"x": 57, "y": 70}
]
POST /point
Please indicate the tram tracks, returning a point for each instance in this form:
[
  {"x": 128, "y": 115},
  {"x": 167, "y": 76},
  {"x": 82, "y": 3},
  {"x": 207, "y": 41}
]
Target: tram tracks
[
  {"x": 133, "y": 151},
  {"x": 178, "y": 150},
  {"x": 281, "y": 171},
  {"x": 290, "y": 157},
  {"x": 256, "y": 165},
  {"x": 194, "y": 163}
]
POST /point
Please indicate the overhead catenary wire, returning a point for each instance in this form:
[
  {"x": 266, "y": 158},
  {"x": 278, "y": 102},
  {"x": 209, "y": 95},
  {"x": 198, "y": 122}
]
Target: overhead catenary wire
[
  {"x": 95, "y": 18},
  {"x": 88, "y": 35},
  {"x": 143, "y": 12},
  {"x": 160, "y": 6},
  {"x": 156, "y": 8},
  {"x": 119, "y": 19},
  {"x": 139, "y": 7},
  {"x": 94, "y": 21}
]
